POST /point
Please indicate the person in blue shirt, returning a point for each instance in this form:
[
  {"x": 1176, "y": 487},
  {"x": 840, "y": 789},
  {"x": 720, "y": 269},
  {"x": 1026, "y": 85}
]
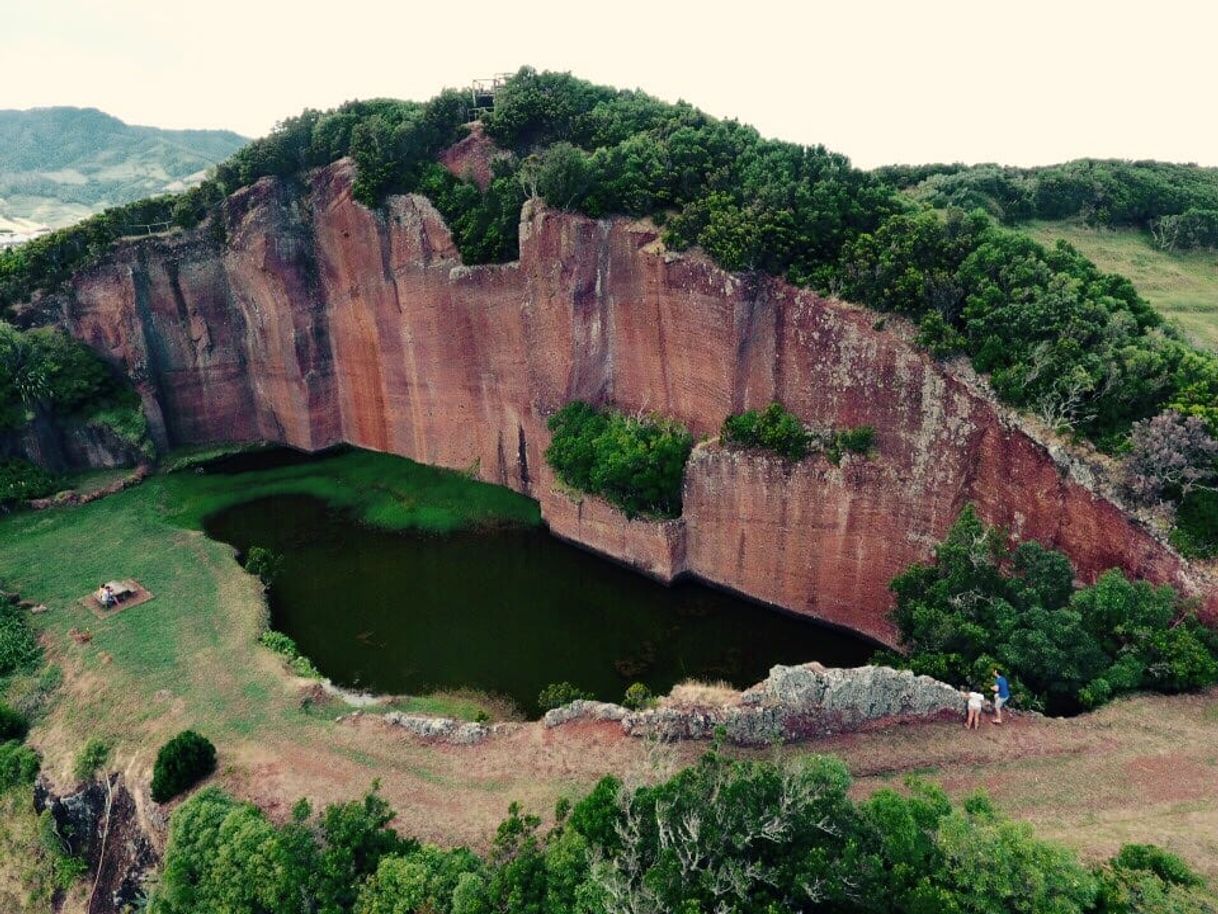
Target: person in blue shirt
[{"x": 1002, "y": 694}]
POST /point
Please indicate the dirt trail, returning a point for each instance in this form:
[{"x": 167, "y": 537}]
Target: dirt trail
[{"x": 1141, "y": 770}]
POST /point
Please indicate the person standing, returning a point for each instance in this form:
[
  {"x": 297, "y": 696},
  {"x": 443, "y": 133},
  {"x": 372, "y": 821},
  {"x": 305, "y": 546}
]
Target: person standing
[
  {"x": 1002, "y": 694},
  {"x": 975, "y": 700}
]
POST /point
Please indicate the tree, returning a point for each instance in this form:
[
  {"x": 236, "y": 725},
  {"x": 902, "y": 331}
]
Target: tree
[
  {"x": 23, "y": 380},
  {"x": 1170, "y": 456},
  {"x": 636, "y": 463},
  {"x": 265, "y": 563},
  {"x": 993, "y": 864},
  {"x": 563, "y": 176},
  {"x": 180, "y": 764},
  {"x": 223, "y": 855}
]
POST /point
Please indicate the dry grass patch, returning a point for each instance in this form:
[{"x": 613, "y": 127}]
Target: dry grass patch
[{"x": 693, "y": 693}]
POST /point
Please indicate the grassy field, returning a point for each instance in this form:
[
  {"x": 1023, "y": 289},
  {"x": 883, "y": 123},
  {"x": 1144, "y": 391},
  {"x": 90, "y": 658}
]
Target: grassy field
[
  {"x": 171, "y": 650},
  {"x": 1182, "y": 286},
  {"x": 1144, "y": 769}
]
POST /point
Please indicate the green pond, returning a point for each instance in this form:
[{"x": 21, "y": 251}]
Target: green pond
[{"x": 501, "y": 606}]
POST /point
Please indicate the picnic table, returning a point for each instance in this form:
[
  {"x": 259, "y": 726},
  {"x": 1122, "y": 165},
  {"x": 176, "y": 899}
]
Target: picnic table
[{"x": 120, "y": 590}]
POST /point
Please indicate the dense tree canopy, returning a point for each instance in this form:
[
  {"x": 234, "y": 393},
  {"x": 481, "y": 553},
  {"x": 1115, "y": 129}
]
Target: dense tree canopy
[
  {"x": 982, "y": 605},
  {"x": 1076, "y": 346},
  {"x": 636, "y": 463},
  {"x": 1178, "y": 202},
  {"x": 738, "y": 837}
]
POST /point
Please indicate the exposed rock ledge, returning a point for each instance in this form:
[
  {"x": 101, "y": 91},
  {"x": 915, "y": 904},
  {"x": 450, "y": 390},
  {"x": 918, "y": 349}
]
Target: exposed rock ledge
[{"x": 793, "y": 703}]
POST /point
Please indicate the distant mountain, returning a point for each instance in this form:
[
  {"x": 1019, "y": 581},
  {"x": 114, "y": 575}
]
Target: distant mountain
[{"x": 58, "y": 165}]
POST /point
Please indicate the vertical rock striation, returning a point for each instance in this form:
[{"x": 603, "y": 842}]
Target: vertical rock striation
[{"x": 320, "y": 321}]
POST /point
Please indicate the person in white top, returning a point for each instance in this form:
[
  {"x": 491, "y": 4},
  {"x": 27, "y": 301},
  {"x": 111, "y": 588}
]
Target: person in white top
[{"x": 975, "y": 701}]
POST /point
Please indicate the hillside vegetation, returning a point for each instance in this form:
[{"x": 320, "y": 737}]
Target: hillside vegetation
[
  {"x": 1060, "y": 337},
  {"x": 1181, "y": 285},
  {"x": 1177, "y": 204},
  {"x": 734, "y": 837},
  {"x": 1057, "y": 336},
  {"x": 59, "y": 165}
]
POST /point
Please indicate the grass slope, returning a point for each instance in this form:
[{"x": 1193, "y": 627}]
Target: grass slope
[{"x": 1183, "y": 286}]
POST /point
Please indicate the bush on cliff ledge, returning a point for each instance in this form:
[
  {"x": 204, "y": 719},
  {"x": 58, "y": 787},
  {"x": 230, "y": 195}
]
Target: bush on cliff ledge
[
  {"x": 982, "y": 604},
  {"x": 774, "y": 428},
  {"x": 46, "y": 373},
  {"x": 637, "y": 464}
]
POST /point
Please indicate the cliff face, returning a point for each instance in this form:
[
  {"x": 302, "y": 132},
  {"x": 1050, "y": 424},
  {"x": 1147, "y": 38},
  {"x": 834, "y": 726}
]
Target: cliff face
[
  {"x": 69, "y": 446},
  {"x": 321, "y": 322}
]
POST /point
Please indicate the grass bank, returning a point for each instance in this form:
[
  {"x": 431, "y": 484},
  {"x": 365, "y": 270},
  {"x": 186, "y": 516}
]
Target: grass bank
[
  {"x": 380, "y": 489},
  {"x": 189, "y": 657},
  {"x": 1184, "y": 286}
]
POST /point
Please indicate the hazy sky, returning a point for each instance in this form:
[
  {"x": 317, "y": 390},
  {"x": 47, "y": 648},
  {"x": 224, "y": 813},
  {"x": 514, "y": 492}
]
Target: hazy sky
[{"x": 1021, "y": 81}]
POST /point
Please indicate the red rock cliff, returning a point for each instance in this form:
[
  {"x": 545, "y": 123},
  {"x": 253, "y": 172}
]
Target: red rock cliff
[{"x": 322, "y": 322}]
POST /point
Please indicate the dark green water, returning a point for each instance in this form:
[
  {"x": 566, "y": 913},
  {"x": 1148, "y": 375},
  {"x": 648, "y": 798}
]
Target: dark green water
[{"x": 503, "y": 610}]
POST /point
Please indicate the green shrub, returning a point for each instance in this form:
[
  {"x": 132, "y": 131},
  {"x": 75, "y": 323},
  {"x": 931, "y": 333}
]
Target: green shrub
[
  {"x": 1196, "y": 532},
  {"x": 981, "y": 605},
  {"x": 126, "y": 419},
  {"x": 637, "y": 464},
  {"x": 1144, "y": 879},
  {"x": 18, "y": 764},
  {"x": 773, "y": 428},
  {"x": 638, "y": 697},
  {"x": 18, "y": 647},
  {"x": 264, "y": 563},
  {"x": 1165, "y": 865},
  {"x": 66, "y": 867},
  {"x": 859, "y": 440},
  {"x": 284, "y": 646},
  {"x": 180, "y": 764},
  {"x": 557, "y": 694},
  {"x": 21, "y": 480},
  {"x": 279, "y": 643},
  {"x": 302, "y": 666},
  {"x": 13, "y": 724},
  {"x": 93, "y": 755}
]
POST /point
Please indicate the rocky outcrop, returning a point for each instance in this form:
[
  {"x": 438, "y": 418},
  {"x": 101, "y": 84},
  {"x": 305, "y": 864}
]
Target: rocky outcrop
[
  {"x": 100, "y": 824},
  {"x": 793, "y": 703},
  {"x": 440, "y": 729},
  {"x": 74, "y": 497},
  {"x": 69, "y": 445},
  {"x": 473, "y": 157},
  {"x": 320, "y": 321}
]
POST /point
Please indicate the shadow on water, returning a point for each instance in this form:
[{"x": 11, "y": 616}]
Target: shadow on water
[{"x": 505, "y": 610}]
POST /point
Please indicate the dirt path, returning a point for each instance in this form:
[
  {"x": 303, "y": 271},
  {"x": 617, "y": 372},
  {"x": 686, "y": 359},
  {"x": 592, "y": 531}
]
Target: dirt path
[{"x": 1141, "y": 770}]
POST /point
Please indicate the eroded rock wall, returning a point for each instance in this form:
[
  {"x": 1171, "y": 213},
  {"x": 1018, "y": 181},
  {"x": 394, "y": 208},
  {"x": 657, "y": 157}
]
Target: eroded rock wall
[
  {"x": 320, "y": 321},
  {"x": 68, "y": 446}
]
